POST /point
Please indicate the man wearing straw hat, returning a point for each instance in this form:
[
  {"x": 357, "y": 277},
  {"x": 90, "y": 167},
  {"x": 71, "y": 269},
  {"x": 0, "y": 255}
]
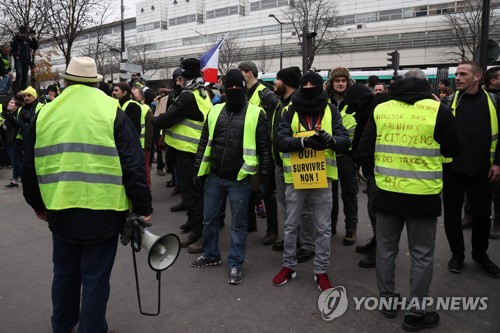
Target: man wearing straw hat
[{"x": 83, "y": 170}]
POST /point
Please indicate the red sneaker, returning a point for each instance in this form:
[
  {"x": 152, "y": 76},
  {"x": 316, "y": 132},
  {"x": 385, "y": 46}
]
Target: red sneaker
[
  {"x": 323, "y": 281},
  {"x": 282, "y": 277}
]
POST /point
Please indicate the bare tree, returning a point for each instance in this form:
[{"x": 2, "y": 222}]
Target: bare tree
[
  {"x": 229, "y": 54},
  {"x": 70, "y": 17},
  {"x": 32, "y": 14},
  {"x": 140, "y": 53},
  {"x": 318, "y": 16},
  {"x": 264, "y": 60},
  {"x": 465, "y": 25}
]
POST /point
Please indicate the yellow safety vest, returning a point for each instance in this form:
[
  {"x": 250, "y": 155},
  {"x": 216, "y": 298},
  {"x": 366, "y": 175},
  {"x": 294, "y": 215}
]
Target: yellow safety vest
[
  {"x": 250, "y": 158},
  {"x": 76, "y": 159},
  {"x": 407, "y": 158},
  {"x": 331, "y": 164},
  {"x": 348, "y": 121},
  {"x": 144, "y": 112},
  {"x": 186, "y": 134},
  {"x": 255, "y": 99},
  {"x": 493, "y": 122}
]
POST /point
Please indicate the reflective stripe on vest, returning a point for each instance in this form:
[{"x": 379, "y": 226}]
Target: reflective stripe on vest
[
  {"x": 255, "y": 99},
  {"x": 331, "y": 164},
  {"x": 250, "y": 160},
  {"x": 76, "y": 159},
  {"x": 144, "y": 112},
  {"x": 407, "y": 158},
  {"x": 493, "y": 124},
  {"x": 185, "y": 135},
  {"x": 348, "y": 121}
]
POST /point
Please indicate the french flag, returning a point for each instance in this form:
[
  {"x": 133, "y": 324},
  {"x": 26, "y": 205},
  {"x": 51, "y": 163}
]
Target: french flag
[{"x": 210, "y": 63}]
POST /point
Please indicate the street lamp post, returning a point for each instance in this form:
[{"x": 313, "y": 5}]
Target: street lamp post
[
  {"x": 281, "y": 39},
  {"x": 122, "y": 25}
]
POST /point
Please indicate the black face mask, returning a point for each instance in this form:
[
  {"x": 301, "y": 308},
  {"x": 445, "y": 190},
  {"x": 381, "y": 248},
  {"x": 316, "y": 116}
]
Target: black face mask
[
  {"x": 235, "y": 99},
  {"x": 310, "y": 93},
  {"x": 177, "y": 89}
]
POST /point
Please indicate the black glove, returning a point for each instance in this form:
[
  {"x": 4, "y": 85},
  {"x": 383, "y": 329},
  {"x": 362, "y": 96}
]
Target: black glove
[
  {"x": 133, "y": 228},
  {"x": 314, "y": 142},
  {"x": 199, "y": 181},
  {"x": 327, "y": 139}
]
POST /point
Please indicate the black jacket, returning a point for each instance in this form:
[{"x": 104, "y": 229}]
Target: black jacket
[
  {"x": 183, "y": 107},
  {"x": 275, "y": 123},
  {"x": 445, "y": 133},
  {"x": 134, "y": 113},
  {"x": 473, "y": 119},
  {"x": 227, "y": 146},
  {"x": 86, "y": 225},
  {"x": 268, "y": 99},
  {"x": 286, "y": 141},
  {"x": 21, "y": 48},
  {"x": 9, "y": 133}
]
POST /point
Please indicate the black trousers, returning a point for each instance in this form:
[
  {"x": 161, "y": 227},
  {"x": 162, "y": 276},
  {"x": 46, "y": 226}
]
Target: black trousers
[
  {"x": 479, "y": 191},
  {"x": 192, "y": 197}
]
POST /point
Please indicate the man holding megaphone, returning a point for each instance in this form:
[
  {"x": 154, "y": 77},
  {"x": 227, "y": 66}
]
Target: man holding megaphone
[{"x": 84, "y": 169}]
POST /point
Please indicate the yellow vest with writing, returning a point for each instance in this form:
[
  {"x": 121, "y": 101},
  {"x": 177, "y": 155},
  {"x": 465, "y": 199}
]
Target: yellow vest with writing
[
  {"x": 407, "y": 158},
  {"x": 331, "y": 164}
]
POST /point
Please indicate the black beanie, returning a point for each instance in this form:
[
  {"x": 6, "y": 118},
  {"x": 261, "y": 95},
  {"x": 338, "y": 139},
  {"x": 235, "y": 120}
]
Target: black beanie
[
  {"x": 191, "y": 68},
  {"x": 312, "y": 77},
  {"x": 290, "y": 76},
  {"x": 234, "y": 78}
]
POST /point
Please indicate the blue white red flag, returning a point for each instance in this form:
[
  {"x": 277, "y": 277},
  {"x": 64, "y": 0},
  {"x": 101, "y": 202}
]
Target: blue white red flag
[{"x": 210, "y": 63}]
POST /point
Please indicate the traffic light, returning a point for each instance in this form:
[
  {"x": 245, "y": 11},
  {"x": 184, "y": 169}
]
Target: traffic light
[{"x": 393, "y": 60}]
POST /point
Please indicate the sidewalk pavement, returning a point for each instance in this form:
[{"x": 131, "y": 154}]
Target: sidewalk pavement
[{"x": 196, "y": 300}]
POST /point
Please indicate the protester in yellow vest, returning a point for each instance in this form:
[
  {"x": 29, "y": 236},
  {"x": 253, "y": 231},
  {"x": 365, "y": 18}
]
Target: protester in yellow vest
[
  {"x": 310, "y": 127},
  {"x": 234, "y": 146},
  {"x": 83, "y": 171},
  {"x": 183, "y": 122},
  {"x": 348, "y": 172},
  {"x": 473, "y": 170},
  {"x": 260, "y": 95},
  {"x": 147, "y": 130},
  {"x": 404, "y": 139}
]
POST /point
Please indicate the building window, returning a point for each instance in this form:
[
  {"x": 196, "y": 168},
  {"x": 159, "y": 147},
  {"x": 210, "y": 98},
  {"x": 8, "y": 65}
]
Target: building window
[
  {"x": 182, "y": 20},
  {"x": 421, "y": 11},
  {"x": 366, "y": 17},
  {"x": 386, "y": 15}
]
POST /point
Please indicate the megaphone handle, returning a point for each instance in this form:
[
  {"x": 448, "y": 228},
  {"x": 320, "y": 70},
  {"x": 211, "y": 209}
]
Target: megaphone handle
[{"x": 158, "y": 277}]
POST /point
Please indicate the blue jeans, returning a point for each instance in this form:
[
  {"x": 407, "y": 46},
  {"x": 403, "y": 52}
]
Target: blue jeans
[
  {"x": 22, "y": 70},
  {"x": 5, "y": 84},
  {"x": 16, "y": 160},
  {"x": 84, "y": 268},
  {"x": 216, "y": 191}
]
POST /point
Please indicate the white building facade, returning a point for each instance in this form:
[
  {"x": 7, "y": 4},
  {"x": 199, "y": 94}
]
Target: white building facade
[{"x": 176, "y": 29}]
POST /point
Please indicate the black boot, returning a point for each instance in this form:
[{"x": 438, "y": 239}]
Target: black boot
[
  {"x": 370, "y": 260},
  {"x": 372, "y": 242}
]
